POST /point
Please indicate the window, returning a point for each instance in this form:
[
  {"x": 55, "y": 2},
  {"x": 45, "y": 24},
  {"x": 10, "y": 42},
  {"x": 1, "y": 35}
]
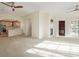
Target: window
[{"x": 75, "y": 27}]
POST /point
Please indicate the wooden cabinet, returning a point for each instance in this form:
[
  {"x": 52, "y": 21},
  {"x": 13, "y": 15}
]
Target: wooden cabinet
[
  {"x": 8, "y": 23},
  {"x": 16, "y": 24}
]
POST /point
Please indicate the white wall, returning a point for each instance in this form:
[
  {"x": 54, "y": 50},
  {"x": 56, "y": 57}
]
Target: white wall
[
  {"x": 43, "y": 25},
  {"x": 34, "y": 22},
  {"x": 26, "y": 27},
  {"x": 40, "y": 24}
]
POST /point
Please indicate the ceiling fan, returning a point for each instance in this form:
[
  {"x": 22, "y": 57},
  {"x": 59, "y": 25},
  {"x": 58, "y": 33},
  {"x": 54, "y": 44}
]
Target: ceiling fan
[
  {"x": 75, "y": 9},
  {"x": 12, "y": 5}
]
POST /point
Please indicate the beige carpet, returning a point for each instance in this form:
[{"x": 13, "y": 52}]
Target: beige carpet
[{"x": 21, "y": 46}]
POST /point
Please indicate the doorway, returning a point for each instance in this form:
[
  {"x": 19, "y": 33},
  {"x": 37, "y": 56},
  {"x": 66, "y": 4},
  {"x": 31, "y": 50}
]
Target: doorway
[{"x": 61, "y": 28}]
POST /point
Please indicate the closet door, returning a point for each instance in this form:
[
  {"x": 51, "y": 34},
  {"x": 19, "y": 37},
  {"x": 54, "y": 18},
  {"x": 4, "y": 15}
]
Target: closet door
[{"x": 61, "y": 28}]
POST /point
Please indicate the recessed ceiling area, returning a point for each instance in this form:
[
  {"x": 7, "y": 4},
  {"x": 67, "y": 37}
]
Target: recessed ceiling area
[{"x": 28, "y": 7}]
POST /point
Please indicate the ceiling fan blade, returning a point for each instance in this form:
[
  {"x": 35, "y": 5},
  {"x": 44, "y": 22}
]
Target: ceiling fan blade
[
  {"x": 12, "y": 4},
  {"x": 18, "y": 6},
  {"x": 6, "y": 4},
  {"x": 69, "y": 11},
  {"x": 72, "y": 11}
]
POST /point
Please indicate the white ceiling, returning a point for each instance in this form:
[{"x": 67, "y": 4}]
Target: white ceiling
[{"x": 51, "y": 7}]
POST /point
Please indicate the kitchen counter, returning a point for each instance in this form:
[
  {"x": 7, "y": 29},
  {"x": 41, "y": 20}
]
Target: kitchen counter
[{"x": 14, "y": 31}]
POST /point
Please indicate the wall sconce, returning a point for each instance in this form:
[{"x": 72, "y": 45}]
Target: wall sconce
[{"x": 51, "y": 20}]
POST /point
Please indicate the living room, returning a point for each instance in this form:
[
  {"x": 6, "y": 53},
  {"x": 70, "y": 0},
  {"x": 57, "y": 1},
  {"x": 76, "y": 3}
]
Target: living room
[{"x": 46, "y": 25}]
